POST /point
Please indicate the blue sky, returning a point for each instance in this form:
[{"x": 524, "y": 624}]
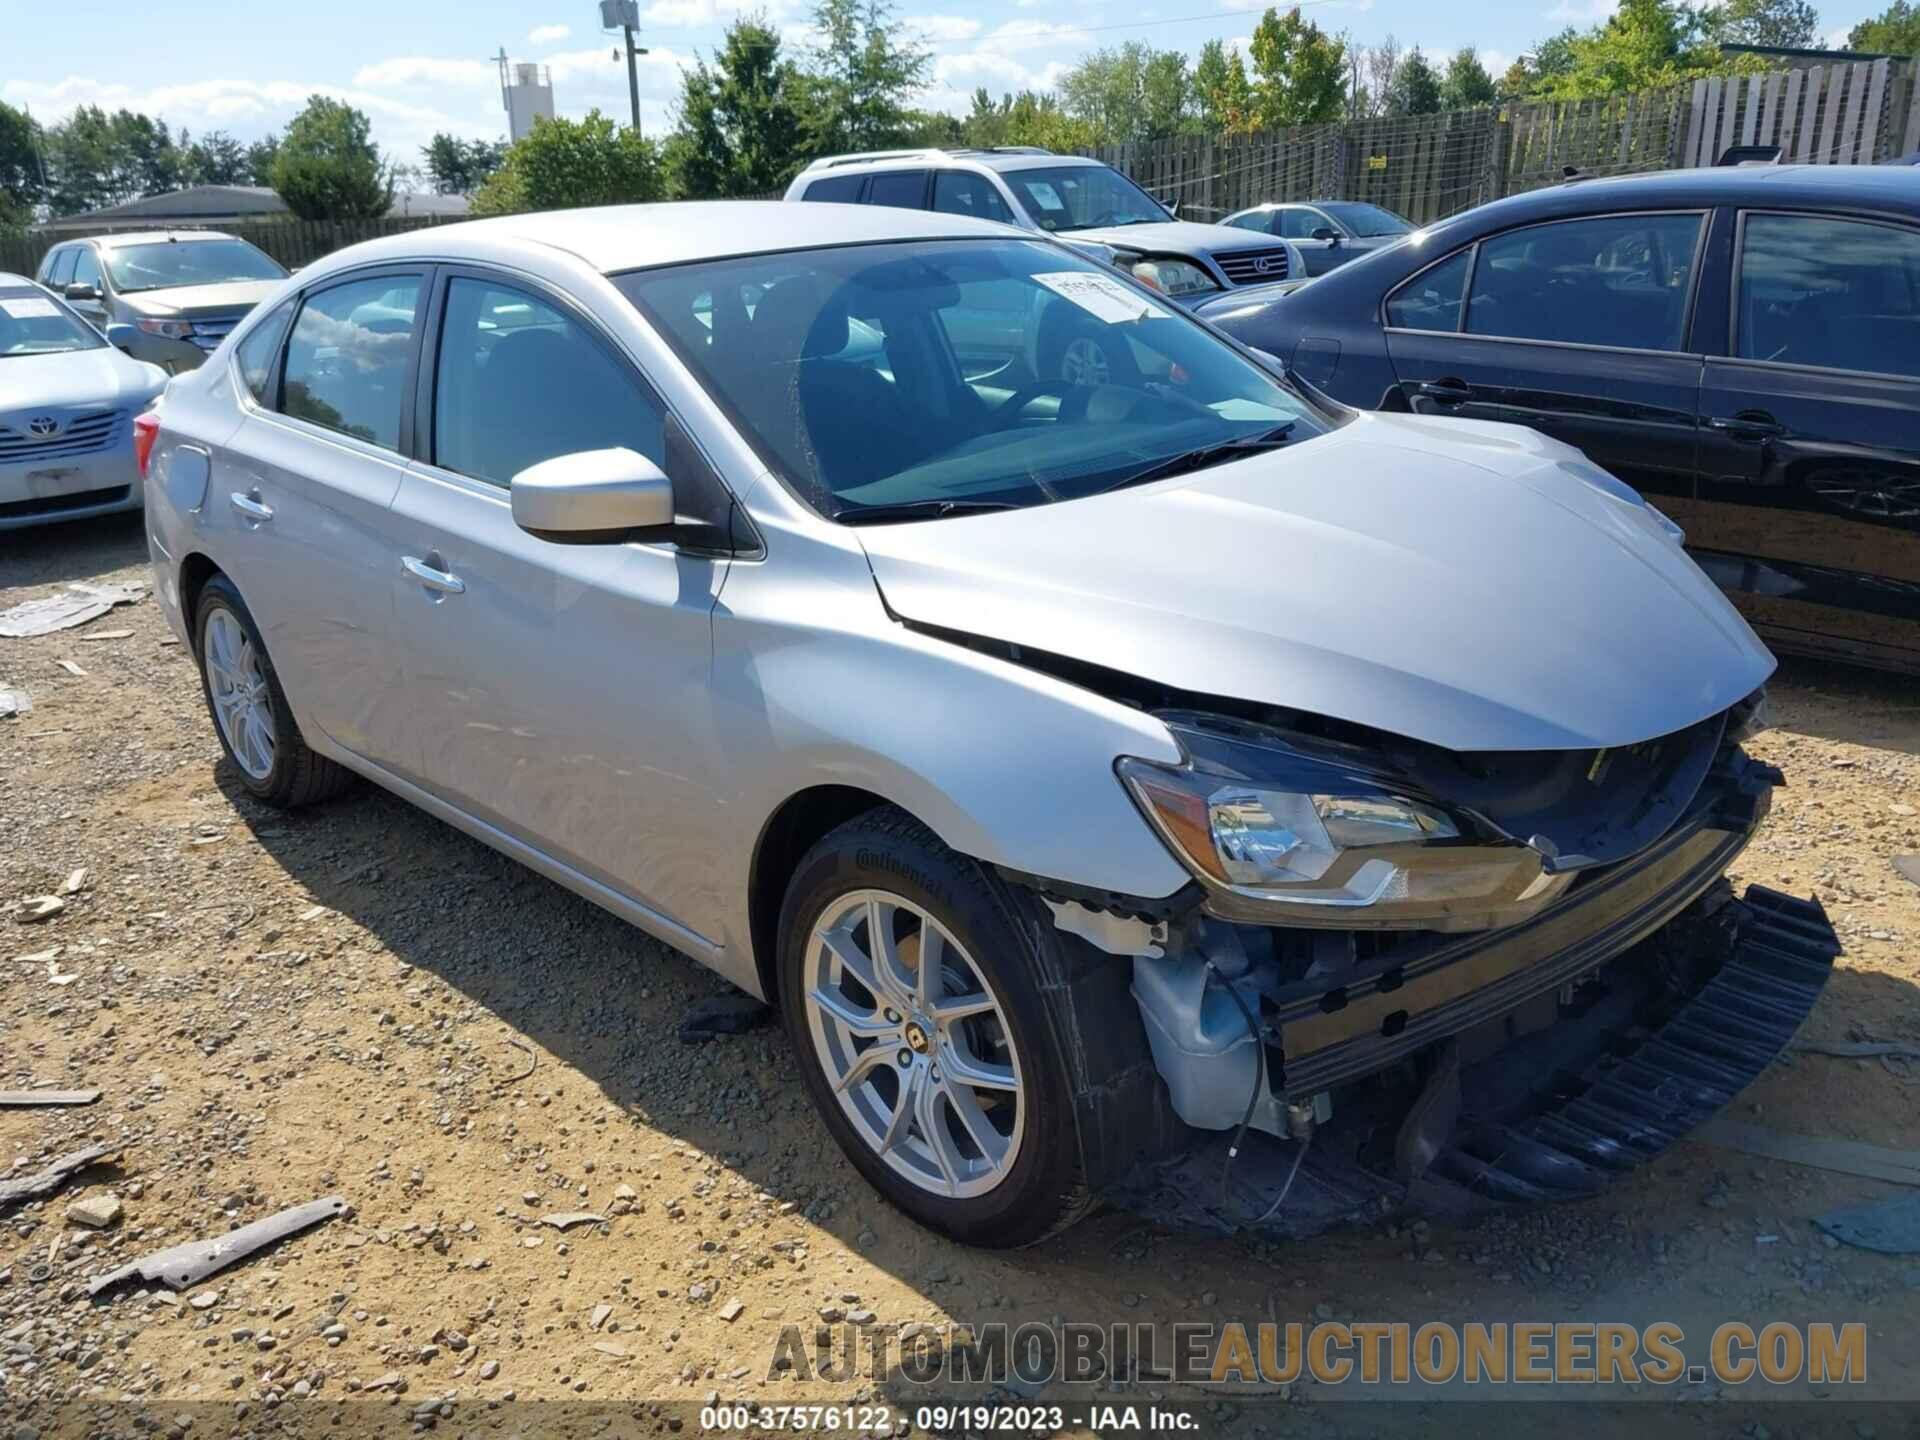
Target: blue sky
[{"x": 417, "y": 66}]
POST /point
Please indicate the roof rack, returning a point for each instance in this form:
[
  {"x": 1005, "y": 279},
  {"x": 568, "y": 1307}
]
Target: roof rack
[{"x": 924, "y": 152}]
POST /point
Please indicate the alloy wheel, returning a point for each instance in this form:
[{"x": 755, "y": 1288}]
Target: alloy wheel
[
  {"x": 915, "y": 1044},
  {"x": 242, "y": 706}
]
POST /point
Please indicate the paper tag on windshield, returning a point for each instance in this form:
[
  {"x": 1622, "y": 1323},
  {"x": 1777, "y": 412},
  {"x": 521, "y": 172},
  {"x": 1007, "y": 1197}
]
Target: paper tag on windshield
[
  {"x": 1101, "y": 296},
  {"x": 30, "y": 307}
]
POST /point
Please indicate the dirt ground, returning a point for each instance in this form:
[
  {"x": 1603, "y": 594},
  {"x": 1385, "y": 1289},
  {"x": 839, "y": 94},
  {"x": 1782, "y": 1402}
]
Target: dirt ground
[{"x": 361, "y": 1001}]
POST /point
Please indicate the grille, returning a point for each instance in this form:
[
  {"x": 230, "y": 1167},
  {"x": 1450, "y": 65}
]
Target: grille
[
  {"x": 82, "y": 436},
  {"x": 209, "y": 332},
  {"x": 55, "y": 504},
  {"x": 1254, "y": 267}
]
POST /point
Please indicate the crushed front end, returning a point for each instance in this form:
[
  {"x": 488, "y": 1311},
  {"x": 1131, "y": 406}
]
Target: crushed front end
[{"x": 1409, "y": 978}]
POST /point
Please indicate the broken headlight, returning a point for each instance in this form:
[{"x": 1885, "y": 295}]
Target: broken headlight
[{"x": 1281, "y": 829}]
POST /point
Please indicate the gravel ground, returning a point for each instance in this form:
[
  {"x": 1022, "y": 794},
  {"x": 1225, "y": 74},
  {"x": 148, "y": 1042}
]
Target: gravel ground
[{"x": 360, "y": 1001}]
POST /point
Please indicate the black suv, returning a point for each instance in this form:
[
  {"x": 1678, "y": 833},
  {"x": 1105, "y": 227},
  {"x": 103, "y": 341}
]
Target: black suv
[{"x": 1742, "y": 345}]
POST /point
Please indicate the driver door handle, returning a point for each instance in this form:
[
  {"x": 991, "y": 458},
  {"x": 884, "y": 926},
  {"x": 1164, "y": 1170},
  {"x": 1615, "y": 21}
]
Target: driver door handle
[
  {"x": 1448, "y": 391},
  {"x": 251, "y": 507},
  {"x": 1754, "y": 425},
  {"x": 445, "y": 581}
]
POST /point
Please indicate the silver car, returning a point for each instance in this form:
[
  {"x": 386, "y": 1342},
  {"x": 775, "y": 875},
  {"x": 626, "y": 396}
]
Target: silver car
[
  {"x": 1099, "y": 778},
  {"x": 68, "y": 406}
]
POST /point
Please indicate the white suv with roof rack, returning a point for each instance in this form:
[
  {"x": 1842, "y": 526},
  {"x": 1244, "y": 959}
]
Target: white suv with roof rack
[{"x": 1082, "y": 201}]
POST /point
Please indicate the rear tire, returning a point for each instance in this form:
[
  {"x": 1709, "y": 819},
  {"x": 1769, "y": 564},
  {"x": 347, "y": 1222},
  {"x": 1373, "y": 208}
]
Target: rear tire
[
  {"x": 1005, "y": 1165},
  {"x": 249, "y": 709}
]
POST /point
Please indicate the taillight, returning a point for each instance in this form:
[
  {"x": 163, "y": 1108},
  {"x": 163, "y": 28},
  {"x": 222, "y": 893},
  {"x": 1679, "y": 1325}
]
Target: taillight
[{"x": 146, "y": 429}]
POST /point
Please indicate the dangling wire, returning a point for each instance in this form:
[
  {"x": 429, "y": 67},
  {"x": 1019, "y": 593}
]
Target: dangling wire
[{"x": 1253, "y": 1103}]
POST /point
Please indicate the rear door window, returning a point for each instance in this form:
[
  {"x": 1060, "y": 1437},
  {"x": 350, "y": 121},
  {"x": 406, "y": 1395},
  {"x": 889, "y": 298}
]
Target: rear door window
[
  {"x": 1431, "y": 299},
  {"x": 347, "y": 359},
  {"x": 1615, "y": 280},
  {"x": 904, "y": 189},
  {"x": 1300, "y": 224},
  {"x": 961, "y": 192},
  {"x": 1839, "y": 294},
  {"x": 259, "y": 352},
  {"x": 837, "y": 189}
]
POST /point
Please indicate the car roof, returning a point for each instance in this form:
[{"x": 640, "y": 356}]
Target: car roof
[
  {"x": 1002, "y": 158},
  {"x": 154, "y": 237},
  {"x": 1886, "y": 186},
  {"x": 11, "y": 281},
  {"x": 631, "y": 237}
]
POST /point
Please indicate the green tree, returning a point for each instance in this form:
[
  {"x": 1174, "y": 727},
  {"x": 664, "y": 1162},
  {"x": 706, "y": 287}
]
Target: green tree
[
  {"x": 216, "y": 158},
  {"x": 20, "y": 178},
  {"x": 1028, "y": 118},
  {"x": 328, "y": 167},
  {"x": 1790, "y": 23},
  {"x": 260, "y": 157},
  {"x": 561, "y": 164},
  {"x": 740, "y": 117},
  {"x": 859, "y": 77},
  {"x": 460, "y": 167},
  {"x": 1467, "y": 83},
  {"x": 1644, "y": 45},
  {"x": 1416, "y": 86},
  {"x": 1131, "y": 92},
  {"x": 1894, "y": 31},
  {"x": 95, "y": 159},
  {"x": 1299, "y": 72}
]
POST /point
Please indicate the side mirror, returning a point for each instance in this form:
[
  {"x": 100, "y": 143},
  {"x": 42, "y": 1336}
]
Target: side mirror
[
  {"x": 592, "y": 497},
  {"x": 1327, "y": 233},
  {"x": 81, "y": 292},
  {"x": 121, "y": 337}
]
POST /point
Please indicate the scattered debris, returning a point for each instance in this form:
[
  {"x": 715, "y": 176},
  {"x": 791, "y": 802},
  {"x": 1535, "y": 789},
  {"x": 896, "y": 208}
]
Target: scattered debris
[
  {"x": 76, "y": 881},
  {"x": 55, "y": 976},
  {"x": 1847, "y": 1157},
  {"x": 734, "y": 1013},
  {"x": 731, "y": 1311},
  {"x": 1891, "y": 1227},
  {"x": 1909, "y": 866},
  {"x": 184, "y": 1265},
  {"x": 36, "y": 908},
  {"x": 80, "y": 604},
  {"x": 533, "y": 1062},
  {"x": 71, "y": 668},
  {"x": 1867, "y": 1049},
  {"x": 599, "y": 1316},
  {"x": 94, "y": 635},
  {"x": 48, "y": 1097},
  {"x": 54, "y": 1176},
  {"x": 96, "y": 1212},
  {"x": 572, "y": 1218},
  {"x": 14, "y": 702}
]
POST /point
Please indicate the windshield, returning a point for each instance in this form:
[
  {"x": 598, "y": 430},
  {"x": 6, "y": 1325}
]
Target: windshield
[
  {"x": 959, "y": 375},
  {"x": 33, "y": 324},
  {"x": 1083, "y": 197},
  {"x": 1368, "y": 221},
  {"x": 169, "y": 263}
]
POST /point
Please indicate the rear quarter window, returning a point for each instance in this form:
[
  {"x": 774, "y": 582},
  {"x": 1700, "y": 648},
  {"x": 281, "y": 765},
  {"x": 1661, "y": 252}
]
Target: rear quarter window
[{"x": 839, "y": 189}]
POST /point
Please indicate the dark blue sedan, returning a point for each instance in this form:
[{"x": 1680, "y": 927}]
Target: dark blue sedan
[{"x": 1742, "y": 345}]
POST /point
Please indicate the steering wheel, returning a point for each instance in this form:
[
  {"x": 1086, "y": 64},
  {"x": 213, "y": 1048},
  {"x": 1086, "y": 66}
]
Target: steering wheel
[{"x": 1074, "y": 399}]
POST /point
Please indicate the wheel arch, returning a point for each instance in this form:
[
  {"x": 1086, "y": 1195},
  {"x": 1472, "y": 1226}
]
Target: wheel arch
[{"x": 195, "y": 571}]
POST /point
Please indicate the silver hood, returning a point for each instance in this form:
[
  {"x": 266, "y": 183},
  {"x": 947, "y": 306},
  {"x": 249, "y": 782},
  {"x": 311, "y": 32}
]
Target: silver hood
[
  {"x": 1177, "y": 237},
  {"x": 100, "y": 378},
  {"x": 1476, "y": 586}
]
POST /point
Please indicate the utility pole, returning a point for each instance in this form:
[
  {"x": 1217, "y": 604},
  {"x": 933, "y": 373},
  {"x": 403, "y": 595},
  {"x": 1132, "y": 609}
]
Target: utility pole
[{"x": 624, "y": 16}]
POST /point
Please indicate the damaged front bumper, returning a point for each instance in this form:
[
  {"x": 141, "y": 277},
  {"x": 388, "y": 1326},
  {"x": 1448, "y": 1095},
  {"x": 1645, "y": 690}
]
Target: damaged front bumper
[{"x": 1515, "y": 1064}]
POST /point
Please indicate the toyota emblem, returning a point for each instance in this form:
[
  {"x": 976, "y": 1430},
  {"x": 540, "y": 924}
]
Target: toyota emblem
[{"x": 43, "y": 427}]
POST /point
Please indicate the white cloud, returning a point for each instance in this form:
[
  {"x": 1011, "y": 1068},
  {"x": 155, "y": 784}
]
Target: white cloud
[
  {"x": 1018, "y": 35},
  {"x": 944, "y": 29},
  {"x": 548, "y": 34},
  {"x": 1583, "y": 12},
  {"x": 681, "y": 13},
  {"x": 1028, "y": 4}
]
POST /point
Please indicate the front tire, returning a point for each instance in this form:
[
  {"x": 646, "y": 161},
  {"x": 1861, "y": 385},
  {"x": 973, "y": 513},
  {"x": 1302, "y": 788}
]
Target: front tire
[
  {"x": 249, "y": 709},
  {"x": 950, "y": 1090}
]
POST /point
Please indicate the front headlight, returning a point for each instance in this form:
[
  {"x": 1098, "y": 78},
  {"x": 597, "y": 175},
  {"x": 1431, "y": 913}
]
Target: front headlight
[
  {"x": 167, "y": 329},
  {"x": 1281, "y": 830},
  {"x": 1171, "y": 277}
]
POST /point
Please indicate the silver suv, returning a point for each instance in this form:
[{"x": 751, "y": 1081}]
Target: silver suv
[
  {"x": 1083, "y": 202},
  {"x": 1089, "y": 773}
]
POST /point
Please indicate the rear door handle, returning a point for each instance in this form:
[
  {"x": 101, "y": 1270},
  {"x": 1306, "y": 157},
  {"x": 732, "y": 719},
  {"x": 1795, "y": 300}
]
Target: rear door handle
[
  {"x": 1447, "y": 392},
  {"x": 444, "y": 581},
  {"x": 251, "y": 507},
  {"x": 1747, "y": 427}
]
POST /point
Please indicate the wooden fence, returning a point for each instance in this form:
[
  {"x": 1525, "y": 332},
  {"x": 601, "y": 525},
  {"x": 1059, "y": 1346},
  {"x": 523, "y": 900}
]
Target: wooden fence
[{"x": 1430, "y": 166}]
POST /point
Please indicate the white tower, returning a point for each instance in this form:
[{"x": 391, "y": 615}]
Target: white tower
[{"x": 526, "y": 91}]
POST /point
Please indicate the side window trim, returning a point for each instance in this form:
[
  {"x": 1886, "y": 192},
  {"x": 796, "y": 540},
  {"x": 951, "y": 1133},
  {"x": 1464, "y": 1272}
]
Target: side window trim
[
  {"x": 276, "y": 367},
  {"x": 1701, "y": 232},
  {"x": 402, "y": 449},
  {"x": 1733, "y": 356}
]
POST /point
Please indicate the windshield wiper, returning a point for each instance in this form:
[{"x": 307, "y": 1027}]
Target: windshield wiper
[
  {"x": 917, "y": 510},
  {"x": 1204, "y": 455}
]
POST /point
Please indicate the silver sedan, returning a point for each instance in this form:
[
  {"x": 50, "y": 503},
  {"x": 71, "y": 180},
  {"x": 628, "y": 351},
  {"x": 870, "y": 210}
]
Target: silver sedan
[
  {"x": 68, "y": 406},
  {"x": 1087, "y": 771}
]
